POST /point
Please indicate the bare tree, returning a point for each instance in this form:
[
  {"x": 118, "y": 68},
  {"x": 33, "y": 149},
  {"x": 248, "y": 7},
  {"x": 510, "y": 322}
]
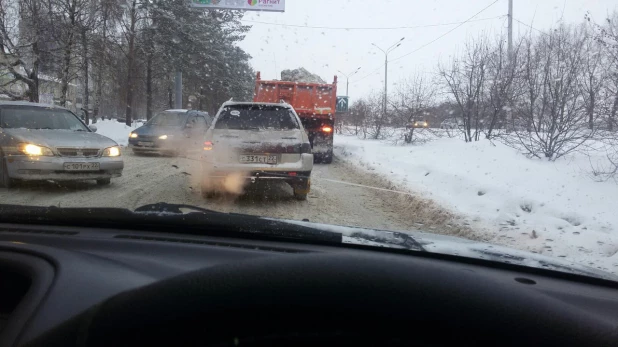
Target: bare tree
[
  {"x": 607, "y": 37},
  {"x": 501, "y": 80},
  {"x": 553, "y": 104},
  {"x": 129, "y": 21},
  {"x": 359, "y": 113},
  {"x": 465, "y": 81},
  {"x": 593, "y": 75},
  {"x": 412, "y": 99},
  {"x": 20, "y": 45}
]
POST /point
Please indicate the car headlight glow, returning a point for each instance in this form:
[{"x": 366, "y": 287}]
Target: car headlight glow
[
  {"x": 133, "y": 135},
  {"x": 112, "y": 152},
  {"x": 34, "y": 150},
  {"x": 163, "y": 137}
]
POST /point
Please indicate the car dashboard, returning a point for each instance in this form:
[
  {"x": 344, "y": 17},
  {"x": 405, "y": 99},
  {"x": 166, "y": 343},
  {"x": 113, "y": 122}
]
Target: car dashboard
[{"x": 52, "y": 278}]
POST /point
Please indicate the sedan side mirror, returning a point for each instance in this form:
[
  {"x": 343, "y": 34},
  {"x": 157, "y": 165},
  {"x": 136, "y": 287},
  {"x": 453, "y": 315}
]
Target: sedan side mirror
[{"x": 93, "y": 128}]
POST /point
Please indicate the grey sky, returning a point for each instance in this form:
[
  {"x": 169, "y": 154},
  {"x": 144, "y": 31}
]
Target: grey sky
[{"x": 324, "y": 51}]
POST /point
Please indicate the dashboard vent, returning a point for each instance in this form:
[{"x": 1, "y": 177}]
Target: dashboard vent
[
  {"x": 209, "y": 243},
  {"x": 40, "y": 232}
]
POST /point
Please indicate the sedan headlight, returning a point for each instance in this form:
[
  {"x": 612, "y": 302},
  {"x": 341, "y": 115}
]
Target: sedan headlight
[
  {"x": 163, "y": 137},
  {"x": 133, "y": 135},
  {"x": 112, "y": 152},
  {"x": 34, "y": 150}
]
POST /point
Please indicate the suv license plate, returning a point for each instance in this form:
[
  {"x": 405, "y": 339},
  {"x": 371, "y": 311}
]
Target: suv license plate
[
  {"x": 259, "y": 159},
  {"x": 82, "y": 167}
]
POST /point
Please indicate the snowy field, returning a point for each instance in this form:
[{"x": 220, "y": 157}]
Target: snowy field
[{"x": 550, "y": 208}]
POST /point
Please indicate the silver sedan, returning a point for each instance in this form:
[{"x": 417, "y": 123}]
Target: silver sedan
[{"x": 43, "y": 142}]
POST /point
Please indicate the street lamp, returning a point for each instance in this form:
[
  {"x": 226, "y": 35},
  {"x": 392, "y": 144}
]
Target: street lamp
[
  {"x": 386, "y": 52},
  {"x": 347, "y": 79}
]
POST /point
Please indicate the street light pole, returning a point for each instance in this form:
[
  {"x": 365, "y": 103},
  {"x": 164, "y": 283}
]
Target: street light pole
[
  {"x": 386, "y": 52},
  {"x": 347, "y": 80}
]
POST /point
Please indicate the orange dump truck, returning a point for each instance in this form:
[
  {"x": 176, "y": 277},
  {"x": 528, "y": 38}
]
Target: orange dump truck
[{"x": 315, "y": 104}]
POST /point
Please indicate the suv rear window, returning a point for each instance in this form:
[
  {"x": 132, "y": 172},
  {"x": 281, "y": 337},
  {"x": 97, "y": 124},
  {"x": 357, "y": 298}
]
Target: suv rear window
[{"x": 256, "y": 117}]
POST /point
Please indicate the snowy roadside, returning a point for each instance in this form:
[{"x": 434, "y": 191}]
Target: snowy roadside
[
  {"x": 550, "y": 208},
  {"x": 115, "y": 130}
]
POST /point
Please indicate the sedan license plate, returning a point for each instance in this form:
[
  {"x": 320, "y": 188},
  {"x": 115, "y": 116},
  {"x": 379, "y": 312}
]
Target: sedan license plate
[
  {"x": 145, "y": 143},
  {"x": 82, "y": 167},
  {"x": 258, "y": 159}
]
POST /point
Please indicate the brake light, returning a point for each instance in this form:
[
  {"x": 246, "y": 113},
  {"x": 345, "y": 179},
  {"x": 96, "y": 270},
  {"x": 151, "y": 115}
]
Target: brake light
[
  {"x": 327, "y": 129},
  {"x": 208, "y": 146},
  {"x": 292, "y": 173}
]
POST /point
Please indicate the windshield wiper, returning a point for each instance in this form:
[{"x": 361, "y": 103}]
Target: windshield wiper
[
  {"x": 163, "y": 207},
  {"x": 79, "y": 130},
  {"x": 169, "y": 218}
]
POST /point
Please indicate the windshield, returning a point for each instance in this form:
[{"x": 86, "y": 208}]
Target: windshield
[
  {"x": 172, "y": 119},
  {"x": 468, "y": 119},
  {"x": 39, "y": 118},
  {"x": 256, "y": 117}
]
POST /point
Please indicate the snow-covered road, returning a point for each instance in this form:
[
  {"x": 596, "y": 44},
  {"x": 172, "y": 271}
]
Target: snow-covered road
[{"x": 151, "y": 179}]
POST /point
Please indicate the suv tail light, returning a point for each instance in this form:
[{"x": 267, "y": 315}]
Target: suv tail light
[
  {"x": 208, "y": 146},
  {"x": 305, "y": 148}
]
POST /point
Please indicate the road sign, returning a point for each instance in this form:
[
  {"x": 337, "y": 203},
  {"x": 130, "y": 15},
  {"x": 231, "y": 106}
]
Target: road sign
[
  {"x": 342, "y": 104},
  {"x": 244, "y": 5}
]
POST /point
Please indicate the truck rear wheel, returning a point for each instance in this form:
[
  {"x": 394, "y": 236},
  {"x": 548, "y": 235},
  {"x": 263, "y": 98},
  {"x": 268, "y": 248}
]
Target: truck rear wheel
[{"x": 328, "y": 157}]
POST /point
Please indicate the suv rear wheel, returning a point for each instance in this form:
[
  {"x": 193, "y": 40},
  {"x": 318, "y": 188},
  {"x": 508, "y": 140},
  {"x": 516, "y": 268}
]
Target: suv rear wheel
[{"x": 301, "y": 190}]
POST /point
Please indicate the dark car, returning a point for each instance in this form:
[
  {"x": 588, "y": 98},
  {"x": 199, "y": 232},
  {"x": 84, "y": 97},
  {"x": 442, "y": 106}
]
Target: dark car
[{"x": 171, "y": 132}]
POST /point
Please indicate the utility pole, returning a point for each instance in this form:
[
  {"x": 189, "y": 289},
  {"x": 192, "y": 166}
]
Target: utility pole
[
  {"x": 386, "y": 52},
  {"x": 347, "y": 80},
  {"x": 510, "y": 27}
]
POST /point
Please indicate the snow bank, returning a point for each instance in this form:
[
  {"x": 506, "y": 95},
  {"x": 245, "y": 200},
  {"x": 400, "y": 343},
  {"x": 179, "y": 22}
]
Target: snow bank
[
  {"x": 115, "y": 130},
  {"x": 551, "y": 208}
]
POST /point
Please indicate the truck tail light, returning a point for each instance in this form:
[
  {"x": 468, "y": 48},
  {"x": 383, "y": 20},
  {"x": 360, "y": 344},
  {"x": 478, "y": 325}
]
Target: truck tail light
[
  {"x": 208, "y": 146},
  {"x": 305, "y": 148},
  {"x": 327, "y": 129}
]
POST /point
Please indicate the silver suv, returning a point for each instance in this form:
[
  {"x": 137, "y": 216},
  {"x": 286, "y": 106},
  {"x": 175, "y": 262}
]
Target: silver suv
[{"x": 250, "y": 142}]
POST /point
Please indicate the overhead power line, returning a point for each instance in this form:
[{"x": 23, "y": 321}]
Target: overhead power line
[
  {"x": 448, "y": 32},
  {"x": 529, "y": 26},
  {"x": 365, "y": 28},
  {"x": 471, "y": 19}
]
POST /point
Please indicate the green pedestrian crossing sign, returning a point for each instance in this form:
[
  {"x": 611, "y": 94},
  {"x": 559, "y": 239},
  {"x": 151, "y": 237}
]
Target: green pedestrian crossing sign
[{"x": 342, "y": 104}]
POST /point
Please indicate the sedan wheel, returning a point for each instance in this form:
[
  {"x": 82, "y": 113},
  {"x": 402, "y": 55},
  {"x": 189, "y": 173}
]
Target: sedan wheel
[
  {"x": 104, "y": 182},
  {"x": 5, "y": 180}
]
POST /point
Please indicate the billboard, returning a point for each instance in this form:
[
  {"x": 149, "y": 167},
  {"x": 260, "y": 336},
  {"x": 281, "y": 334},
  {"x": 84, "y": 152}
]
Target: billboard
[{"x": 245, "y": 5}]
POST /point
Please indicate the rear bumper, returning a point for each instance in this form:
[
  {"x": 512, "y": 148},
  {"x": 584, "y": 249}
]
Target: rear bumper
[
  {"x": 52, "y": 168},
  {"x": 305, "y": 164},
  {"x": 233, "y": 181}
]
